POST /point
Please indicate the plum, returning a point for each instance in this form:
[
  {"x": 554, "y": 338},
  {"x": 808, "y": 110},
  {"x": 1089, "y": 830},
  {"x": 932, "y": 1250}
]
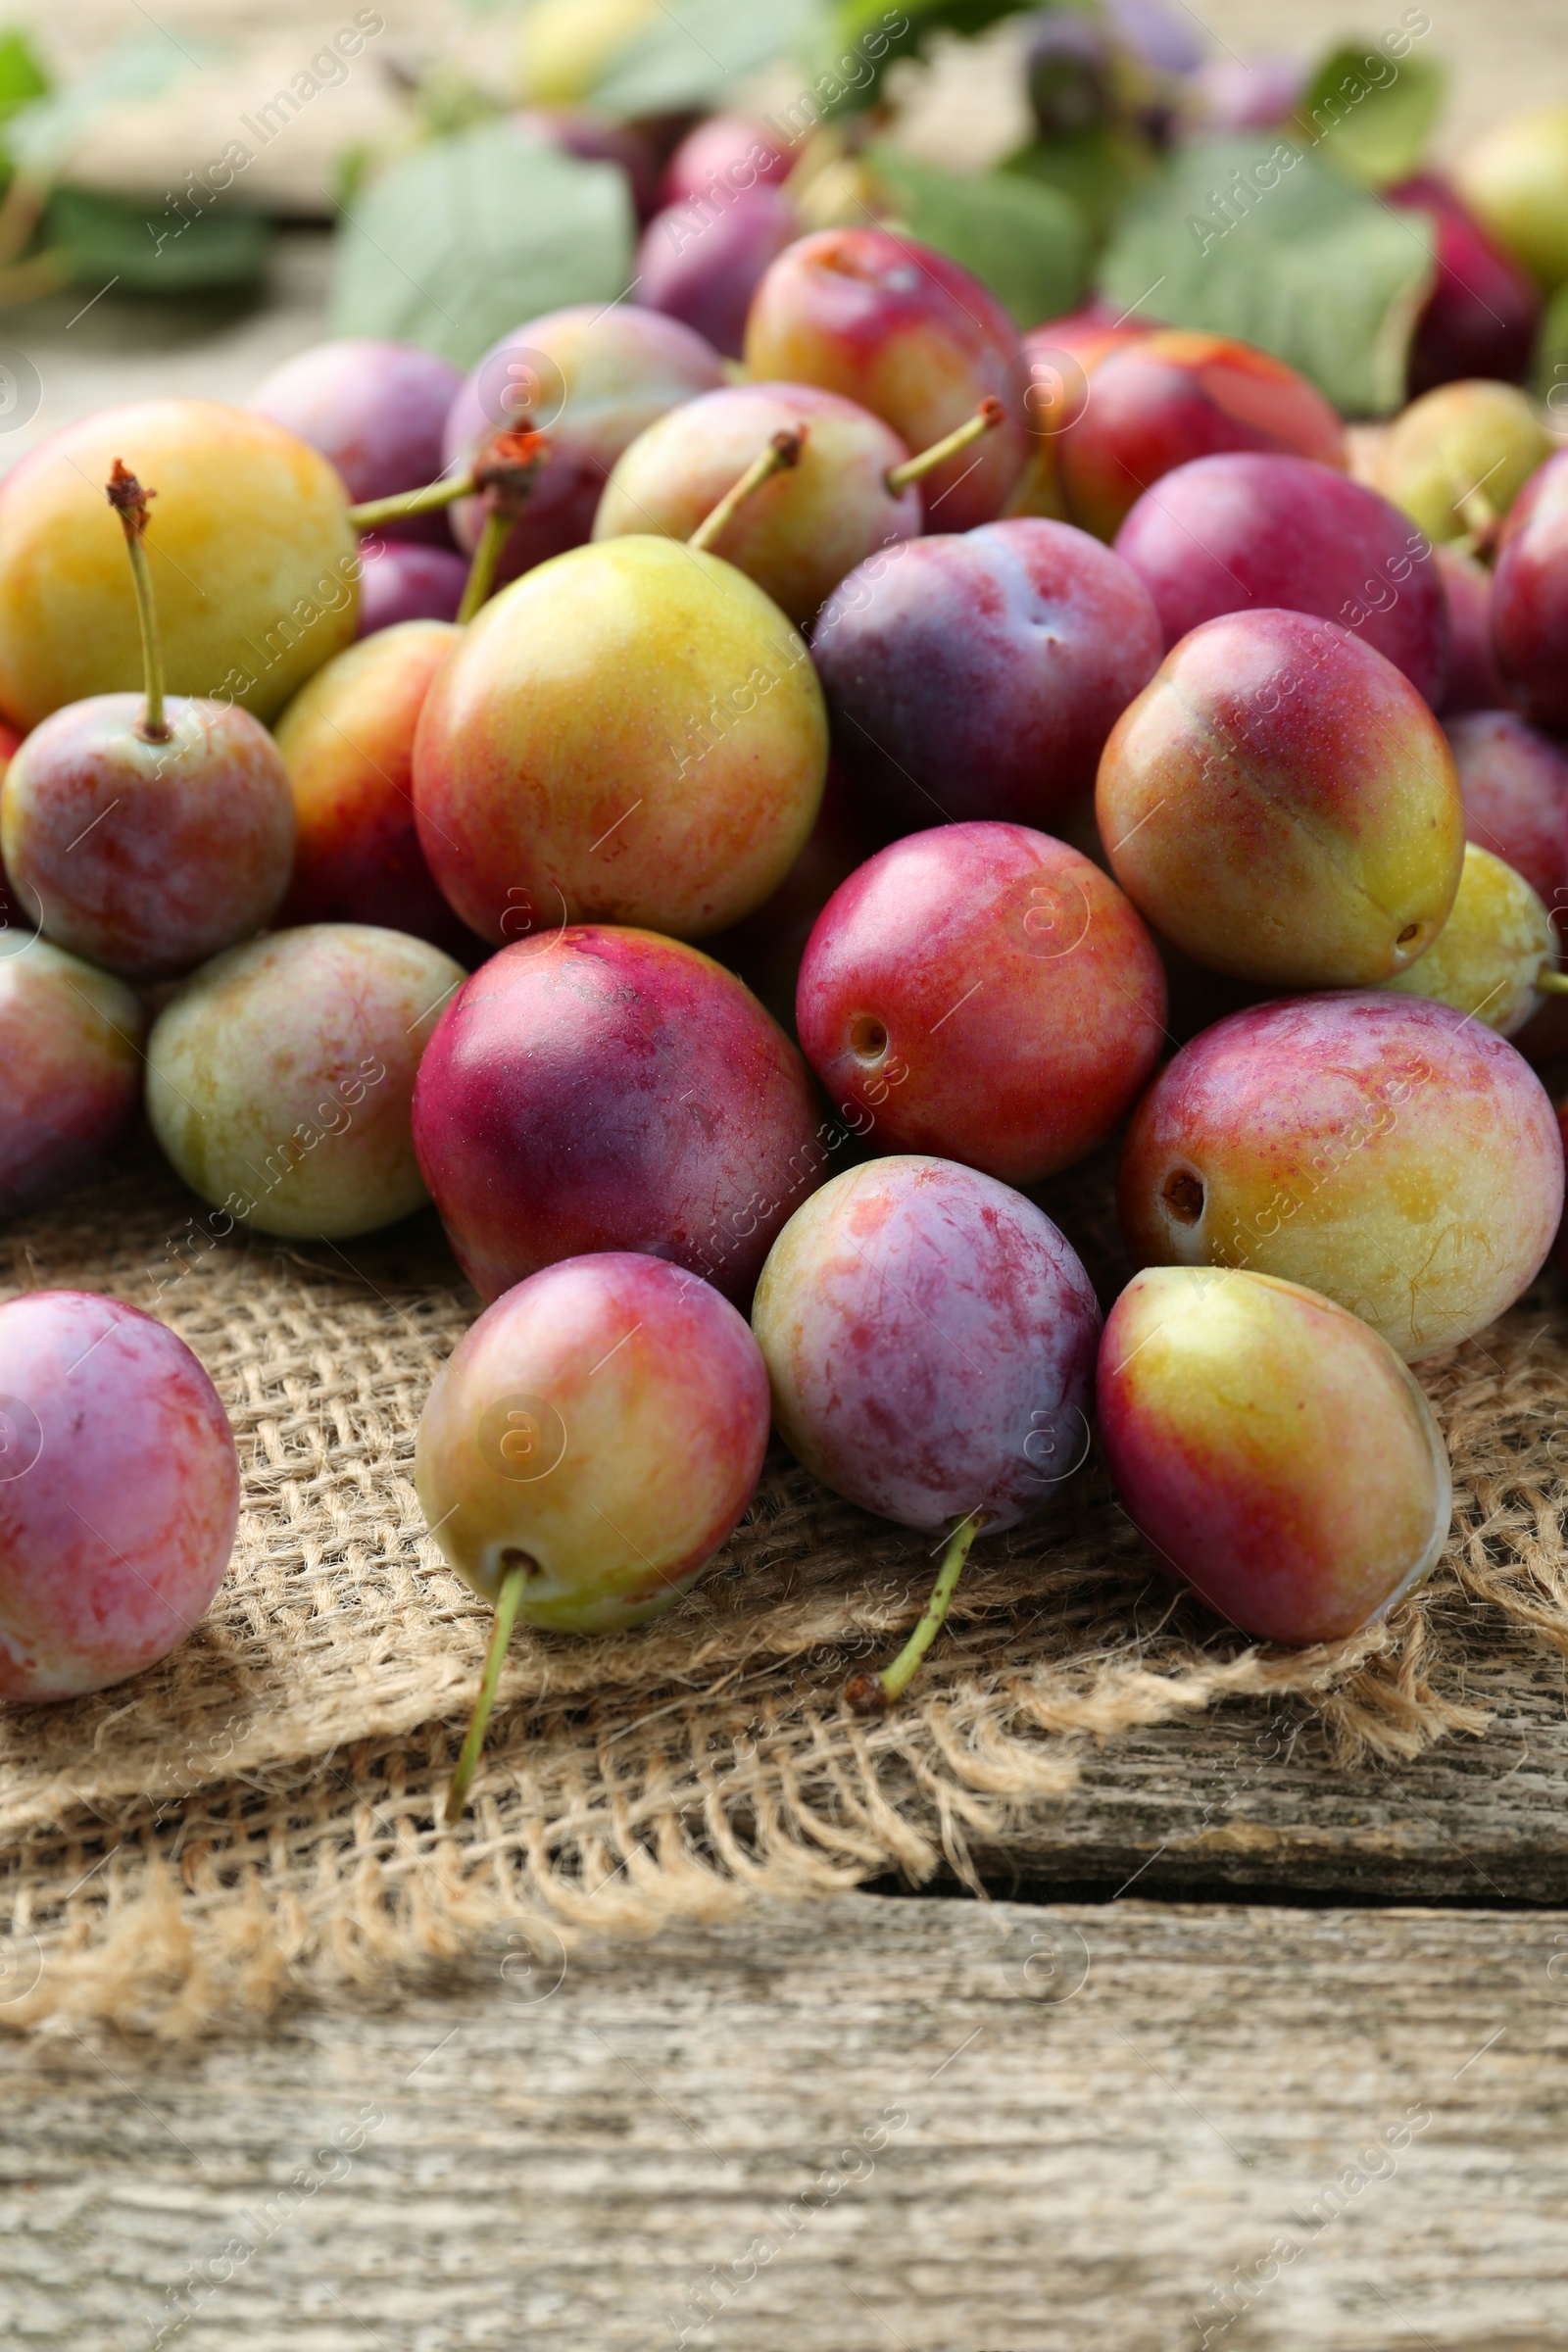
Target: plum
[
  {"x": 1457, "y": 458},
  {"x": 1060, "y": 360},
  {"x": 1164, "y": 399},
  {"x": 592, "y": 379},
  {"x": 1276, "y": 1452},
  {"x": 911, "y": 336},
  {"x": 347, "y": 743},
  {"x": 633, "y": 732},
  {"x": 1232, "y": 533},
  {"x": 985, "y": 994},
  {"x": 1495, "y": 955},
  {"x": 1390, "y": 1152},
  {"x": 600, "y": 1088},
  {"x": 401, "y": 582},
  {"x": 1480, "y": 317},
  {"x": 1514, "y": 180},
  {"x": 377, "y": 410},
  {"x": 1529, "y": 596},
  {"x": 256, "y": 561},
  {"x": 280, "y": 1079},
  {"x": 979, "y": 675},
  {"x": 802, "y": 533},
  {"x": 929, "y": 1337},
  {"x": 1515, "y": 786},
  {"x": 1475, "y": 682},
  {"x": 119, "y": 1494},
  {"x": 1281, "y": 803},
  {"x": 703, "y": 264},
  {"x": 71, "y": 1042},
  {"x": 724, "y": 157}
]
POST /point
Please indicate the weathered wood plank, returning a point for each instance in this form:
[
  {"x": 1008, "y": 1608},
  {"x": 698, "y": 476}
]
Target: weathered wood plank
[{"x": 1027, "y": 2129}]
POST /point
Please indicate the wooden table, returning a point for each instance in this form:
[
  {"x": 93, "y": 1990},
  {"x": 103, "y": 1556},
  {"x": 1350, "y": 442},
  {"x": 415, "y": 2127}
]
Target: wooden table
[{"x": 1254, "y": 2051}]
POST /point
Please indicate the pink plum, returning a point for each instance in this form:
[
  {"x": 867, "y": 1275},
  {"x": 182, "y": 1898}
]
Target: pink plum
[
  {"x": 598, "y": 1088},
  {"x": 280, "y": 1079},
  {"x": 726, "y": 157},
  {"x": 1275, "y": 1451},
  {"x": 1390, "y": 1152},
  {"x": 979, "y": 676},
  {"x": 1233, "y": 533},
  {"x": 1480, "y": 317},
  {"x": 401, "y": 582},
  {"x": 930, "y": 1339},
  {"x": 1515, "y": 786},
  {"x": 148, "y": 856},
  {"x": 377, "y": 410},
  {"x": 986, "y": 994},
  {"x": 798, "y": 535},
  {"x": 1475, "y": 682},
  {"x": 703, "y": 267},
  {"x": 592, "y": 379},
  {"x": 1529, "y": 596},
  {"x": 119, "y": 1494},
  {"x": 69, "y": 1070},
  {"x": 911, "y": 336},
  {"x": 602, "y": 1425},
  {"x": 1282, "y": 805},
  {"x": 347, "y": 742}
]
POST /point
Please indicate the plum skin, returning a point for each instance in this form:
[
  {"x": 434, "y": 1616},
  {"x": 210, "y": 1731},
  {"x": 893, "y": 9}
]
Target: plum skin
[
  {"x": 602, "y": 1088},
  {"x": 604, "y": 1422},
  {"x": 930, "y": 1339},
  {"x": 149, "y": 858},
  {"x": 1515, "y": 786},
  {"x": 377, "y": 410},
  {"x": 989, "y": 995},
  {"x": 1488, "y": 956},
  {"x": 254, "y": 560},
  {"x": 705, "y": 271},
  {"x": 119, "y": 1494},
  {"x": 1244, "y": 530},
  {"x": 1529, "y": 596},
  {"x": 280, "y": 1079},
  {"x": 1281, "y": 803},
  {"x": 1389, "y": 1151},
  {"x": 911, "y": 336},
  {"x": 71, "y": 1069},
  {"x": 978, "y": 676},
  {"x": 1274, "y": 1451},
  {"x": 400, "y": 582},
  {"x": 347, "y": 743},
  {"x": 632, "y": 733},
  {"x": 801, "y": 533}
]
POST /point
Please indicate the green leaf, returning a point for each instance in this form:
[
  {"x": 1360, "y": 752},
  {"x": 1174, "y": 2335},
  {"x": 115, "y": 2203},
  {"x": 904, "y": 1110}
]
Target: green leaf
[
  {"x": 42, "y": 134},
  {"x": 866, "y": 37},
  {"x": 1371, "y": 114},
  {"x": 1099, "y": 168},
  {"x": 693, "y": 57},
  {"x": 464, "y": 239},
  {"x": 169, "y": 253},
  {"x": 22, "y": 77},
  {"x": 1028, "y": 244},
  {"x": 1309, "y": 268},
  {"x": 1550, "y": 380}
]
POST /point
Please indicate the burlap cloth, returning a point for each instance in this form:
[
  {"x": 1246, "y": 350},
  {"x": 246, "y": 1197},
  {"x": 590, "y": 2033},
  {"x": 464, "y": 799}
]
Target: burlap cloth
[{"x": 260, "y": 1817}]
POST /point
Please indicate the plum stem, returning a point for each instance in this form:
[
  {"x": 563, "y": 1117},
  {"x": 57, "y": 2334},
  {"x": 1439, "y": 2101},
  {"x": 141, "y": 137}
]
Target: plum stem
[
  {"x": 406, "y": 502},
  {"x": 781, "y": 455},
  {"x": 129, "y": 501},
  {"x": 482, "y": 570},
  {"x": 504, "y": 473},
  {"x": 874, "y": 1693},
  {"x": 986, "y": 419},
  {"x": 508, "y": 1603}
]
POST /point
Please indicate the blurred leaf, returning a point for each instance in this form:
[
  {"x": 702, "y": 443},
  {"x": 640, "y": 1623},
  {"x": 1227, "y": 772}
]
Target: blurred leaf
[
  {"x": 22, "y": 77},
  {"x": 108, "y": 238},
  {"x": 1099, "y": 167},
  {"x": 696, "y": 58},
  {"x": 861, "y": 43},
  {"x": 1550, "y": 380},
  {"x": 1369, "y": 114},
  {"x": 1309, "y": 268},
  {"x": 41, "y": 136},
  {"x": 1028, "y": 244},
  {"x": 464, "y": 239}
]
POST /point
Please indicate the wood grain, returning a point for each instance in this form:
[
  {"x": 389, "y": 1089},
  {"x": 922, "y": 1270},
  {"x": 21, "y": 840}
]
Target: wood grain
[{"x": 936, "y": 2126}]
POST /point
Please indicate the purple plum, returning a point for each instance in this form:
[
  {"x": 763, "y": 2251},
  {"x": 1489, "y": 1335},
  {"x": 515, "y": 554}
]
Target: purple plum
[
  {"x": 400, "y": 582},
  {"x": 703, "y": 265},
  {"x": 726, "y": 155},
  {"x": 70, "y": 1066},
  {"x": 1529, "y": 596},
  {"x": 377, "y": 411},
  {"x": 1475, "y": 682},
  {"x": 1482, "y": 315}
]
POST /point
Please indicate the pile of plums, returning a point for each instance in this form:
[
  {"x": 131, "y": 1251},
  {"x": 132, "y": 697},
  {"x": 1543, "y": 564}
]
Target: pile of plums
[{"x": 858, "y": 788}]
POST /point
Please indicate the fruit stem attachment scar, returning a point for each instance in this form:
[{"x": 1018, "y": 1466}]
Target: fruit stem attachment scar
[
  {"x": 781, "y": 456},
  {"x": 504, "y": 473},
  {"x": 508, "y": 1603},
  {"x": 986, "y": 419},
  {"x": 129, "y": 501},
  {"x": 406, "y": 503},
  {"x": 874, "y": 1693}
]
